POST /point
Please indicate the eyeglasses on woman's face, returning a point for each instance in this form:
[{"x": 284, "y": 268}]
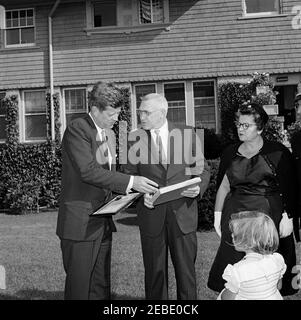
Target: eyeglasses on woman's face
[{"x": 244, "y": 126}]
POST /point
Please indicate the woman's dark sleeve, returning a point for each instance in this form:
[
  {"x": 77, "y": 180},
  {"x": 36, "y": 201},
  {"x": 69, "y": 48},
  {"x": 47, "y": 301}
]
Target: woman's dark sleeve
[
  {"x": 225, "y": 161},
  {"x": 288, "y": 186}
]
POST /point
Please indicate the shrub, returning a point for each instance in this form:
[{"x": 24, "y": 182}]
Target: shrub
[
  {"x": 30, "y": 176},
  {"x": 206, "y": 204},
  {"x": 293, "y": 129},
  {"x": 212, "y": 144}
]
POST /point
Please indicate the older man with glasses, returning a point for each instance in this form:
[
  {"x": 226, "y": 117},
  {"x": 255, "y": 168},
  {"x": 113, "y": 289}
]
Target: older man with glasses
[{"x": 171, "y": 225}]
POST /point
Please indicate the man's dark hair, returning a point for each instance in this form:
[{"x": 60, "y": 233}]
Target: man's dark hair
[{"x": 104, "y": 95}]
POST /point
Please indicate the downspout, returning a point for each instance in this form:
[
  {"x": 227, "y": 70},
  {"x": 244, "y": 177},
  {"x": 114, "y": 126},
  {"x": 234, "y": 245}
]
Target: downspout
[{"x": 51, "y": 68}]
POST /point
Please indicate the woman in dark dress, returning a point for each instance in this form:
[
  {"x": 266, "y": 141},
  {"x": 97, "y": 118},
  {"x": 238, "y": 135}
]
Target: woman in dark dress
[{"x": 254, "y": 175}]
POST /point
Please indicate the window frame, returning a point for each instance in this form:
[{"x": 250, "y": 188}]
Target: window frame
[
  {"x": 64, "y": 103},
  {"x": 151, "y": 23},
  {"x": 215, "y": 100},
  {"x": 185, "y": 93},
  {"x": 119, "y": 28},
  {"x": 24, "y": 114},
  {"x": 3, "y": 140},
  {"x": 261, "y": 14},
  {"x": 19, "y": 28}
]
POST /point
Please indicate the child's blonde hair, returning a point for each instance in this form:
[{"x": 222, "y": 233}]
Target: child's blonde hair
[{"x": 255, "y": 231}]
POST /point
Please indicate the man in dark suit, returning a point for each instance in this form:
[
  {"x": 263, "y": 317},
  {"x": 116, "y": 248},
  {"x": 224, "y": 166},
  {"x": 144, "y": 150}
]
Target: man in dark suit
[
  {"x": 296, "y": 149},
  {"x": 88, "y": 178},
  {"x": 153, "y": 153}
]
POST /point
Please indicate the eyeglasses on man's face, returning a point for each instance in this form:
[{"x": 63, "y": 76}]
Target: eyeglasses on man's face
[
  {"x": 145, "y": 112},
  {"x": 244, "y": 126}
]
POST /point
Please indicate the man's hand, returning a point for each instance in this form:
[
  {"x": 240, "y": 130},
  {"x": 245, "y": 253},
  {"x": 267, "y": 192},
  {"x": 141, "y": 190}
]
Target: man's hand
[
  {"x": 191, "y": 192},
  {"x": 147, "y": 202},
  {"x": 144, "y": 185},
  {"x": 285, "y": 226}
]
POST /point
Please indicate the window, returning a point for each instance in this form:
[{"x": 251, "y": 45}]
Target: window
[
  {"x": 75, "y": 103},
  {"x": 35, "y": 115},
  {"x": 105, "y": 14},
  {"x": 204, "y": 104},
  {"x": 175, "y": 96},
  {"x": 151, "y": 11},
  {"x": 142, "y": 90},
  {"x": 261, "y": 7},
  {"x": 20, "y": 27},
  {"x": 2, "y": 118},
  {"x": 126, "y": 13}
]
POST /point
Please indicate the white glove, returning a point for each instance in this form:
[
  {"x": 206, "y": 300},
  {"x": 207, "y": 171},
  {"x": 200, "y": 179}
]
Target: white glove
[
  {"x": 285, "y": 226},
  {"x": 217, "y": 222}
]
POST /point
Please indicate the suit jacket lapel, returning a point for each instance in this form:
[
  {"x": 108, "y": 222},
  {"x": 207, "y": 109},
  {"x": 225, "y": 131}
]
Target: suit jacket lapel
[{"x": 97, "y": 138}]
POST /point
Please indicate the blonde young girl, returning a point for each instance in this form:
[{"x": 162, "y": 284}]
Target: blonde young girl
[{"x": 258, "y": 275}]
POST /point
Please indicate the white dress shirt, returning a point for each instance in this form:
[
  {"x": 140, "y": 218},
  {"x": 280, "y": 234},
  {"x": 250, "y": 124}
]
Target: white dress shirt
[
  {"x": 163, "y": 134},
  {"x": 99, "y": 131}
]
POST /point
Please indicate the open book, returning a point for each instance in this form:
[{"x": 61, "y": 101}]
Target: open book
[
  {"x": 117, "y": 204},
  {"x": 173, "y": 191}
]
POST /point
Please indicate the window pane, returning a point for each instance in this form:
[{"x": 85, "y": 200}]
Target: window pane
[
  {"x": 29, "y": 21},
  {"x": 35, "y": 127},
  {"x": 175, "y": 95},
  {"x": 8, "y": 19},
  {"x": 35, "y": 101},
  {"x": 255, "y": 6},
  {"x": 151, "y": 11},
  {"x": 145, "y": 11},
  {"x": 27, "y": 35},
  {"x": 12, "y": 36},
  {"x": 15, "y": 19},
  {"x": 143, "y": 90},
  {"x": 204, "y": 104},
  {"x": 75, "y": 100},
  {"x": 29, "y": 13},
  {"x": 105, "y": 13},
  {"x": 72, "y": 116},
  {"x": 2, "y": 128},
  {"x": 22, "y": 18},
  {"x": 158, "y": 11}
]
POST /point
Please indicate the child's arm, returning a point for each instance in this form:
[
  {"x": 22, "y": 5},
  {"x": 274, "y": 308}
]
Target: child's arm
[
  {"x": 279, "y": 284},
  {"x": 228, "y": 295}
]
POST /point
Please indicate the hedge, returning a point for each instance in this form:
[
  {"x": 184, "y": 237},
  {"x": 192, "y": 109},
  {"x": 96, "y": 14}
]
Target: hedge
[{"x": 206, "y": 203}]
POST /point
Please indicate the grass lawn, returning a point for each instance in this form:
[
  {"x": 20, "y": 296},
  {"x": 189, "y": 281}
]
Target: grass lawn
[{"x": 30, "y": 253}]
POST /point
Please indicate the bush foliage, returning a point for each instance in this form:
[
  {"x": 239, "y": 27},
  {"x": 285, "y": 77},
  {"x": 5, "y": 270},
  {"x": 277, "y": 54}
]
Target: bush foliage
[{"x": 206, "y": 204}]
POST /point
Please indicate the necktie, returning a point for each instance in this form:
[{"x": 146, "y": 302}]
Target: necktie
[
  {"x": 104, "y": 146},
  {"x": 162, "y": 157}
]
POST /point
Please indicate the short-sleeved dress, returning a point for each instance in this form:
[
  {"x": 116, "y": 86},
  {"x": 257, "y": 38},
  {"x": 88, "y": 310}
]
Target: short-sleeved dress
[
  {"x": 253, "y": 186},
  {"x": 255, "y": 277}
]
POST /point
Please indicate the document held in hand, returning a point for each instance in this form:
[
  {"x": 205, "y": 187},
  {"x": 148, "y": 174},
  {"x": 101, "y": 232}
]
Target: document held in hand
[
  {"x": 173, "y": 191},
  {"x": 117, "y": 204}
]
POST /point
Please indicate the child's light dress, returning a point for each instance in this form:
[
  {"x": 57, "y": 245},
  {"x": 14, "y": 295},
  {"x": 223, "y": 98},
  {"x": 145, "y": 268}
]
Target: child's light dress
[{"x": 255, "y": 277}]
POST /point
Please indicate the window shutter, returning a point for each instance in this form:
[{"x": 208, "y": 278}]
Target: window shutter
[{"x": 127, "y": 13}]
